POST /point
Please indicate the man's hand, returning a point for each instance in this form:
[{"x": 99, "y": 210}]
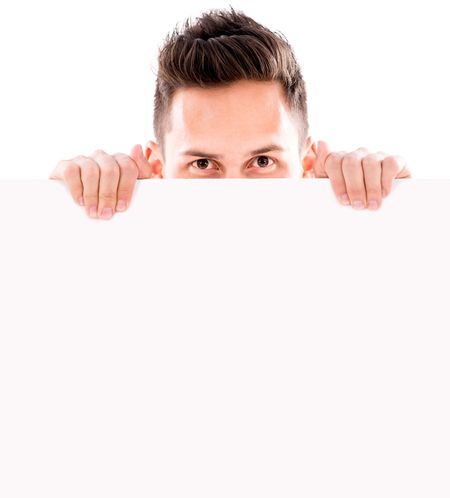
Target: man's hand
[
  {"x": 358, "y": 177},
  {"x": 101, "y": 182}
]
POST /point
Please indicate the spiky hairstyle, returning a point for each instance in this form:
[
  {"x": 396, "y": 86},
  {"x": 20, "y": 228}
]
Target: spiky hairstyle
[{"x": 219, "y": 48}]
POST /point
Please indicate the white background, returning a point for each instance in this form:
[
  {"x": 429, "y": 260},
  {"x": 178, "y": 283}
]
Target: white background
[{"x": 77, "y": 76}]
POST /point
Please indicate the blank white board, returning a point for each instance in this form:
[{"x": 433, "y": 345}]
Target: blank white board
[{"x": 241, "y": 338}]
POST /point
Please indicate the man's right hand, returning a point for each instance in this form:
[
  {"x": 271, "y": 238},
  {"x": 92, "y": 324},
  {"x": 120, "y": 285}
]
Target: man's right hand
[{"x": 103, "y": 183}]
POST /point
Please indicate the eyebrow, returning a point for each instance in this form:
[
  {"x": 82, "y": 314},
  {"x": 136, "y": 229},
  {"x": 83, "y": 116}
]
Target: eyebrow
[{"x": 262, "y": 150}]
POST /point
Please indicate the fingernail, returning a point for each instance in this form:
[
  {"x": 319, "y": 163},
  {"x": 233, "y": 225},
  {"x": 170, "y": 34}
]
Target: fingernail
[
  {"x": 373, "y": 204},
  {"x": 81, "y": 201},
  {"x": 344, "y": 199},
  {"x": 121, "y": 205},
  {"x": 357, "y": 204},
  {"x": 106, "y": 213},
  {"x": 93, "y": 212}
]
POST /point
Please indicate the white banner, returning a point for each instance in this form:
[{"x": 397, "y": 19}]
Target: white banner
[{"x": 225, "y": 339}]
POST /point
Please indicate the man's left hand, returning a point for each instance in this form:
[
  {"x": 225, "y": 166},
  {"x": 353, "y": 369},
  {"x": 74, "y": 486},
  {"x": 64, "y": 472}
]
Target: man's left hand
[{"x": 359, "y": 177}]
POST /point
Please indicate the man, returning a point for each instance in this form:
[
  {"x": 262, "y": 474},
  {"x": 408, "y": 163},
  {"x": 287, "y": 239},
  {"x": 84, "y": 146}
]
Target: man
[{"x": 230, "y": 102}]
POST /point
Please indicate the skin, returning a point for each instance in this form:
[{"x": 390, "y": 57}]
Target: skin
[{"x": 222, "y": 128}]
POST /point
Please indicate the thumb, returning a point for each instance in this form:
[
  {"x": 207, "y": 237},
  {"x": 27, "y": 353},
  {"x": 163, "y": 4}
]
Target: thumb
[
  {"x": 323, "y": 150},
  {"x": 144, "y": 167}
]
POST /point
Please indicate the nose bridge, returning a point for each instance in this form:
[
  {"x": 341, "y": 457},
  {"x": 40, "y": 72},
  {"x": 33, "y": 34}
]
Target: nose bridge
[
  {"x": 234, "y": 172},
  {"x": 234, "y": 167}
]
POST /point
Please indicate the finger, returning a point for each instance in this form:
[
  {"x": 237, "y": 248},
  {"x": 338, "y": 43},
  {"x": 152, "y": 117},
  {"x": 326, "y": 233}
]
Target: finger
[
  {"x": 323, "y": 150},
  {"x": 362, "y": 149},
  {"x": 58, "y": 172},
  {"x": 333, "y": 169},
  {"x": 69, "y": 171},
  {"x": 144, "y": 168},
  {"x": 354, "y": 179},
  {"x": 90, "y": 176},
  {"x": 109, "y": 180},
  {"x": 392, "y": 167},
  {"x": 127, "y": 180},
  {"x": 372, "y": 178}
]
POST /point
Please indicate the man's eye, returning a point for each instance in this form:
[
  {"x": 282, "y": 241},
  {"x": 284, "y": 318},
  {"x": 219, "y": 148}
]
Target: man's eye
[
  {"x": 263, "y": 164},
  {"x": 201, "y": 164}
]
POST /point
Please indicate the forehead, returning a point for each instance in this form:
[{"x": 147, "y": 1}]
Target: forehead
[{"x": 240, "y": 109}]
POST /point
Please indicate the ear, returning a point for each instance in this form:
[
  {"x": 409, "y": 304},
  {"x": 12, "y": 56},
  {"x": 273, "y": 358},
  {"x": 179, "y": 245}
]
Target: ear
[
  {"x": 154, "y": 158},
  {"x": 309, "y": 157}
]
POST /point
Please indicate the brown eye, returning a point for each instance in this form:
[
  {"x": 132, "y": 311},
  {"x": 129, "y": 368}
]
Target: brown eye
[
  {"x": 263, "y": 164},
  {"x": 202, "y": 161}
]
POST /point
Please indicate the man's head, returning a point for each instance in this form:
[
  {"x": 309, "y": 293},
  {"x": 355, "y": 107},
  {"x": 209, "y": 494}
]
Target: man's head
[{"x": 227, "y": 88}]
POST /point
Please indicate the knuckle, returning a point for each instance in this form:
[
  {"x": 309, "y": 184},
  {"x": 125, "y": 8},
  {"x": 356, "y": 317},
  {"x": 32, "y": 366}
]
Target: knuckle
[
  {"x": 98, "y": 152},
  {"x": 374, "y": 193},
  {"x": 88, "y": 161},
  {"x": 129, "y": 167},
  {"x": 334, "y": 157},
  {"x": 107, "y": 196},
  {"x": 124, "y": 193},
  {"x": 333, "y": 162},
  {"x": 373, "y": 156},
  {"x": 108, "y": 162},
  {"x": 332, "y": 165},
  {"x": 121, "y": 155},
  {"x": 90, "y": 172},
  {"x": 109, "y": 170},
  {"x": 370, "y": 160},
  {"x": 125, "y": 162},
  {"x": 351, "y": 159},
  {"x": 390, "y": 162},
  {"x": 354, "y": 193},
  {"x": 70, "y": 170}
]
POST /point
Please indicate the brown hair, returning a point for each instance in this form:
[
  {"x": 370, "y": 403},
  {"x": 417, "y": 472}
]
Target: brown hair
[{"x": 222, "y": 47}]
